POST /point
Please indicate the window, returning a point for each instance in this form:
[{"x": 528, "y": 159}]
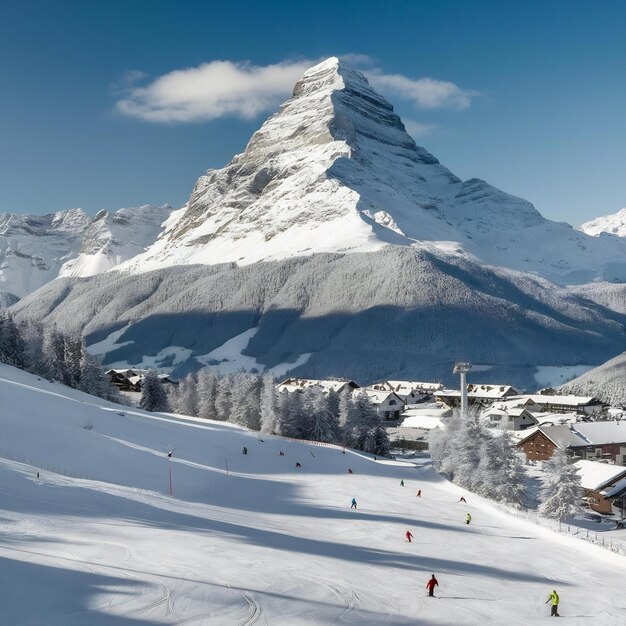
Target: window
[{"x": 392, "y": 402}]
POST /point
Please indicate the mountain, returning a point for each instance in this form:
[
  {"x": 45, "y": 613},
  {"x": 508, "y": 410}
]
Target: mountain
[
  {"x": 614, "y": 224},
  {"x": 395, "y": 313},
  {"x": 606, "y": 382},
  {"x": 334, "y": 245},
  {"x": 334, "y": 170},
  {"x": 113, "y": 238},
  {"x": 35, "y": 249}
]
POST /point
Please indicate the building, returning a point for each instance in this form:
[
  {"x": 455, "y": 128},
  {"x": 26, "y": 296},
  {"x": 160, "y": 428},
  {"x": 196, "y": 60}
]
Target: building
[
  {"x": 411, "y": 392},
  {"x": 581, "y": 405},
  {"x": 300, "y": 384},
  {"x": 477, "y": 395},
  {"x": 388, "y": 404},
  {"x": 131, "y": 379},
  {"x": 593, "y": 441},
  {"x": 617, "y": 496},
  {"x": 598, "y": 479},
  {"x": 511, "y": 419}
]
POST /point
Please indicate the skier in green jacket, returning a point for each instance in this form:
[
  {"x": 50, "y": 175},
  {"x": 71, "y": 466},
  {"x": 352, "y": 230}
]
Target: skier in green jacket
[
  {"x": 554, "y": 599},
  {"x": 468, "y": 518}
]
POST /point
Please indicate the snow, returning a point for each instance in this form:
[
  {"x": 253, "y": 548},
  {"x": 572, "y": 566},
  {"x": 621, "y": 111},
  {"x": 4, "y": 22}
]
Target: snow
[
  {"x": 250, "y": 539},
  {"x": 614, "y": 224},
  {"x": 595, "y": 475},
  {"x": 229, "y": 357},
  {"x": 555, "y": 375}
]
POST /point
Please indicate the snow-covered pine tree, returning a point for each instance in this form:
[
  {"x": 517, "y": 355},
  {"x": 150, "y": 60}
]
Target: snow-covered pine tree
[
  {"x": 223, "y": 397},
  {"x": 207, "y": 392},
  {"x": 245, "y": 400},
  {"x": 12, "y": 346},
  {"x": 187, "y": 401},
  {"x": 323, "y": 424},
  {"x": 332, "y": 398},
  {"x": 94, "y": 381},
  {"x": 561, "y": 492},
  {"x": 366, "y": 418},
  {"x": 511, "y": 483},
  {"x": 291, "y": 414},
  {"x": 268, "y": 404},
  {"x": 153, "y": 396},
  {"x": 54, "y": 366},
  {"x": 377, "y": 441},
  {"x": 73, "y": 347},
  {"x": 469, "y": 443},
  {"x": 348, "y": 417}
]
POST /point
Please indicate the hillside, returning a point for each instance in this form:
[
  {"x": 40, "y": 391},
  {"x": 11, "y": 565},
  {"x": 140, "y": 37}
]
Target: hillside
[
  {"x": 250, "y": 539},
  {"x": 606, "y": 382},
  {"x": 395, "y": 313}
]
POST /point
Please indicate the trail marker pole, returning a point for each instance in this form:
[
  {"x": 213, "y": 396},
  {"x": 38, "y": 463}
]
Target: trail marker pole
[{"x": 169, "y": 463}]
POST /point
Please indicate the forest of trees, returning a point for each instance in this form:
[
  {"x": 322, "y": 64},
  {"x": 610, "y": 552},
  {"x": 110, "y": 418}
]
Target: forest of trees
[
  {"x": 251, "y": 400},
  {"x": 488, "y": 464},
  {"x": 48, "y": 353}
]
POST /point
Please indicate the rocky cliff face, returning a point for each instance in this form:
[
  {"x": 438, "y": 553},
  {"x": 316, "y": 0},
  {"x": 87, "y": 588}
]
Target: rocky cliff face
[{"x": 34, "y": 247}]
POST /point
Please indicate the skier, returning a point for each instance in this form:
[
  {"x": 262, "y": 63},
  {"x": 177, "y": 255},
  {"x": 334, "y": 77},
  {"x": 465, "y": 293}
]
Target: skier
[
  {"x": 37, "y": 474},
  {"x": 431, "y": 584},
  {"x": 408, "y": 536},
  {"x": 281, "y": 453},
  {"x": 245, "y": 450},
  {"x": 353, "y": 505},
  {"x": 298, "y": 465},
  {"x": 468, "y": 518},
  {"x": 462, "y": 499},
  {"x": 554, "y": 599},
  {"x": 419, "y": 493},
  {"x": 401, "y": 483},
  {"x": 349, "y": 471}
]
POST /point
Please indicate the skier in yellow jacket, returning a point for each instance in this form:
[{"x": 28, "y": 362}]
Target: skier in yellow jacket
[{"x": 554, "y": 599}]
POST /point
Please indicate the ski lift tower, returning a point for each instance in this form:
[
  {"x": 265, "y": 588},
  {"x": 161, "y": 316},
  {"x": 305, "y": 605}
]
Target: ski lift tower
[{"x": 462, "y": 369}]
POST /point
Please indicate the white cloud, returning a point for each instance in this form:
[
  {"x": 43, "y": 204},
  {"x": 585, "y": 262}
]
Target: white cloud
[
  {"x": 226, "y": 88},
  {"x": 425, "y": 93},
  {"x": 213, "y": 90}
]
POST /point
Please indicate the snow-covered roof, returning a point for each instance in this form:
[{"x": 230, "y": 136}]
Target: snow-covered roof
[
  {"x": 479, "y": 391},
  {"x": 572, "y": 401},
  {"x": 407, "y": 386},
  {"x": 549, "y": 418},
  {"x": 595, "y": 475},
  {"x": 294, "y": 384},
  {"x": 514, "y": 403},
  {"x": 513, "y": 412},
  {"x": 377, "y": 396},
  {"x": 585, "y": 434}
]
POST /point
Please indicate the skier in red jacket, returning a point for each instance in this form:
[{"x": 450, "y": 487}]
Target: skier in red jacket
[
  {"x": 431, "y": 584},
  {"x": 408, "y": 535}
]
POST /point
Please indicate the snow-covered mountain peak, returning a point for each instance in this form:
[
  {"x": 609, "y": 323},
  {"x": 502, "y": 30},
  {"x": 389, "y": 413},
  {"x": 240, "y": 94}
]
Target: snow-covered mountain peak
[{"x": 614, "y": 224}]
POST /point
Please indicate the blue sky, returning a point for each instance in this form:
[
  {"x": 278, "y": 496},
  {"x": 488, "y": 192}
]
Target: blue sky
[{"x": 531, "y": 95}]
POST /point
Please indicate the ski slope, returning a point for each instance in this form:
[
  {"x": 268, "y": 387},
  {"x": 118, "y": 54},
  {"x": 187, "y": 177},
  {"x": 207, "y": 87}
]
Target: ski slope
[{"x": 99, "y": 541}]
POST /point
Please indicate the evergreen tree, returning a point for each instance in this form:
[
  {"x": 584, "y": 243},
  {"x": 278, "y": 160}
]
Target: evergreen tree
[
  {"x": 291, "y": 414},
  {"x": 268, "y": 404},
  {"x": 245, "y": 400},
  {"x": 153, "y": 396},
  {"x": 73, "y": 350},
  {"x": 324, "y": 425},
  {"x": 366, "y": 418},
  {"x": 54, "y": 365},
  {"x": 223, "y": 398},
  {"x": 207, "y": 393},
  {"x": 94, "y": 381},
  {"x": 348, "y": 418},
  {"x": 12, "y": 346},
  {"x": 186, "y": 395},
  {"x": 561, "y": 493}
]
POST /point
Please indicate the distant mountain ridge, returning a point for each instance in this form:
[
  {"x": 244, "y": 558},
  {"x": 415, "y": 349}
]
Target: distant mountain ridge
[
  {"x": 614, "y": 224},
  {"x": 35, "y": 249}
]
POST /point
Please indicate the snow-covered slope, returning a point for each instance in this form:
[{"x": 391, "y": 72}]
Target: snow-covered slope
[
  {"x": 399, "y": 313},
  {"x": 614, "y": 224},
  {"x": 334, "y": 170},
  {"x": 34, "y": 247},
  {"x": 113, "y": 238},
  {"x": 606, "y": 382},
  {"x": 96, "y": 539}
]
